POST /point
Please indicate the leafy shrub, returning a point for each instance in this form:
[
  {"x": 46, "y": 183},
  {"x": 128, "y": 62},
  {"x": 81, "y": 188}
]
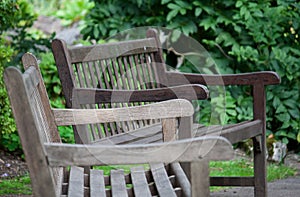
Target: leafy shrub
[
  {"x": 8, "y": 137},
  {"x": 16, "y": 17},
  {"x": 72, "y": 11},
  {"x": 241, "y": 36}
]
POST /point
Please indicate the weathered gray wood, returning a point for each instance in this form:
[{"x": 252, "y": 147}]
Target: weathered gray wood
[
  {"x": 93, "y": 95},
  {"x": 161, "y": 180},
  {"x": 76, "y": 182},
  {"x": 169, "y": 129},
  {"x": 262, "y": 77},
  {"x": 195, "y": 149},
  {"x": 111, "y": 50},
  {"x": 182, "y": 179},
  {"x": 166, "y": 109},
  {"x": 200, "y": 177},
  {"x": 50, "y": 150},
  {"x": 40, "y": 173},
  {"x": 232, "y": 132},
  {"x": 133, "y": 136},
  {"x": 97, "y": 185},
  {"x": 118, "y": 184},
  {"x": 139, "y": 182}
]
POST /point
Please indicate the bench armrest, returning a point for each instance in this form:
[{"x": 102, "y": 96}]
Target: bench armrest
[
  {"x": 160, "y": 110},
  {"x": 94, "y": 95},
  {"x": 188, "y": 150},
  {"x": 264, "y": 77}
]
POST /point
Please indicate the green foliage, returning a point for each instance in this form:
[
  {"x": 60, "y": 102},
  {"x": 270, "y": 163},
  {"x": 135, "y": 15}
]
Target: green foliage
[
  {"x": 73, "y": 10},
  {"x": 8, "y": 137},
  {"x": 241, "y": 36},
  {"x": 9, "y": 10},
  {"x": 17, "y": 16}
]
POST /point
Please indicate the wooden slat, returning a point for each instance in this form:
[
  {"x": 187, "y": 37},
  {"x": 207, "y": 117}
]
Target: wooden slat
[
  {"x": 234, "y": 133},
  {"x": 97, "y": 186},
  {"x": 139, "y": 182},
  {"x": 161, "y": 179},
  {"x": 181, "y": 179},
  {"x": 76, "y": 182},
  {"x": 232, "y": 181},
  {"x": 118, "y": 184},
  {"x": 166, "y": 109},
  {"x": 133, "y": 136},
  {"x": 195, "y": 149},
  {"x": 110, "y": 50},
  {"x": 262, "y": 77},
  {"x": 93, "y": 95}
]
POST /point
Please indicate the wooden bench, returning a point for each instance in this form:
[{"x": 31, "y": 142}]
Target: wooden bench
[
  {"x": 134, "y": 72},
  {"x": 54, "y": 166}
]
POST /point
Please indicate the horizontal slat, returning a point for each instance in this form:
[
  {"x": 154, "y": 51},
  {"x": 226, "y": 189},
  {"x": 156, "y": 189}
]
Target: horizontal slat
[
  {"x": 92, "y": 95},
  {"x": 263, "y": 77},
  {"x": 144, "y": 134},
  {"x": 234, "y": 133},
  {"x": 232, "y": 181},
  {"x": 210, "y": 147},
  {"x": 112, "y": 50},
  {"x": 165, "y": 109}
]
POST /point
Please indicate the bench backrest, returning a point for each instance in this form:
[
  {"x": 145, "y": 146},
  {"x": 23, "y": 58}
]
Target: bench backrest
[
  {"x": 127, "y": 65},
  {"x": 34, "y": 119}
]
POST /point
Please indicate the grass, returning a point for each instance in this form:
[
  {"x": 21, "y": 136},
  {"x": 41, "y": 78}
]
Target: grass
[
  {"x": 242, "y": 167},
  {"x": 19, "y": 185}
]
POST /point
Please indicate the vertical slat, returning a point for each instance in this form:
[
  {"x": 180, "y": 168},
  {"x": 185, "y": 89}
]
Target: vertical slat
[
  {"x": 97, "y": 185},
  {"x": 118, "y": 184},
  {"x": 161, "y": 180},
  {"x": 169, "y": 129},
  {"x": 139, "y": 182},
  {"x": 76, "y": 182}
]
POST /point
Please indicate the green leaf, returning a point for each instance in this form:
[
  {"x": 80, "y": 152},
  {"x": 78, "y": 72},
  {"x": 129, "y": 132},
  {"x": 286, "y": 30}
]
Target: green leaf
[
  {"x": 173, "y": 6},
  {"x": 239, "y": 4},
  {"x": 198, "y": 11},
  {"x": 298, "y": 137},
  {"x": 172, "y": 14}
]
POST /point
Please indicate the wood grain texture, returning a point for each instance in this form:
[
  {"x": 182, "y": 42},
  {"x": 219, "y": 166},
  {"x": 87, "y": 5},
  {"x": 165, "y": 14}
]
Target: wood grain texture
[
  {"x": 161, "y": 180},
  {"x": 76, "y": 182},
  {"x": 97, "y": 185},
  {"x": 263, "y": 77},
  {"x": 139, "y": 182},
  {"x": 166, "y": 109},
  {"x": 93, "y": 95},
  {"x": 212, "y": 148}
]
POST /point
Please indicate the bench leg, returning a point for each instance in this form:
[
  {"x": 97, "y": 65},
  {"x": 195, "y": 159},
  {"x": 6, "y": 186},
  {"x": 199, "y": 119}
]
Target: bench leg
[
  {"x": 200, "y": 178},
  {"x": 260, "y": 168}
]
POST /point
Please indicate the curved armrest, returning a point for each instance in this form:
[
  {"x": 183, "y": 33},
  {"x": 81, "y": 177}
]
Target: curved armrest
[
  {"x": 93, "y": 95},
  {"x": 264, "y": 77},
  {"x": 195, "y": 149},
  {"x": 160, "y": 110}
]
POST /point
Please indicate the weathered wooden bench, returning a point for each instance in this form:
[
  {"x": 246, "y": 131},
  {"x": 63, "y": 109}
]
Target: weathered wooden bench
[
  {"x": 54, "y": 166},
  {"x": 133, "y": 72}
]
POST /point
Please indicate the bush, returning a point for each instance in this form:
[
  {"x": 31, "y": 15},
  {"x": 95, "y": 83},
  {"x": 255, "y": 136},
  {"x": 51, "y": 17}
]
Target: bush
[
  {"x": 241, "y": 36},
  {"x": 16, "y": 17},
  {"x": 8, "y": 137}
]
